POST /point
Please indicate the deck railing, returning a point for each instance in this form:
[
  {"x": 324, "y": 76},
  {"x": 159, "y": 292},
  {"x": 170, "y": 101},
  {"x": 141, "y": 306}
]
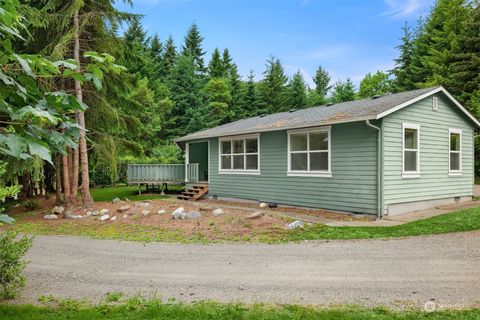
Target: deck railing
[{"x": 162, "y": 173}]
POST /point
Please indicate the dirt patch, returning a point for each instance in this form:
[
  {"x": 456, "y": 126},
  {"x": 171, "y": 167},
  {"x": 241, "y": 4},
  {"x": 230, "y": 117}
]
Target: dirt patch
[{"x": 232, "y": 224}]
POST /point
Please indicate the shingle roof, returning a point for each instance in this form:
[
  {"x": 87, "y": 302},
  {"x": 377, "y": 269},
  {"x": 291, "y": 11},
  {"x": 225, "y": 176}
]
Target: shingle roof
[{"x": 323, "y": 115}]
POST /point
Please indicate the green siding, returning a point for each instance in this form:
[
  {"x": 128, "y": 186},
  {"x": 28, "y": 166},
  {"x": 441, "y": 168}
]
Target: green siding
[
  {"x": 352, "y": 186},
  {"x": 434, "y": 181}
]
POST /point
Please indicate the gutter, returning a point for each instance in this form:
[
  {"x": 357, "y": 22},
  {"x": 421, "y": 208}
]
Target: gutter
[{"x": 379, "y": 170}]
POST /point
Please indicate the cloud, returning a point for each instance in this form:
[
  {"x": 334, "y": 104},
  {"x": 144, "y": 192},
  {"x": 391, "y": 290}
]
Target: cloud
[{"x": 403, "y": 8}]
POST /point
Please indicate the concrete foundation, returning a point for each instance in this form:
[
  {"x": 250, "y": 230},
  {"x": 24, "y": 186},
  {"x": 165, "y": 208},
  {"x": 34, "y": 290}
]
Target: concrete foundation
[{"x": 401, "y": 208}]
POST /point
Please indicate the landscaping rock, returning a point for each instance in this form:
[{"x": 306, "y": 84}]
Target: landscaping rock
[
  {"x": 113, "y": 218},
  {"x": 272, "y": 205},
  {"x": 50, "y": 216},
  {"x": 88, "y": 213},
  {"x": 116, "y": 200},
  {"x": 255, "y": 215},
  {"x": 95, "y": 213},
  {"x": 295, "y": 224},
  {"x": 58, "y": 210},
  {"x": 70, "y": 215},
  {"x": 125, "y": 216},
  {"x": 104, "y": 211},
  {"x": 104, "y": 217},
  {"x": 161, "y": 211},
  {"x": 262, "y": 205},
  {"x": 179, "y": 213},
  {"x": 145, "y": 213},
  {"x": 218, "y": 212},
  {"x": 193, "y": 215},
  {"x": 123, "y": 209}
]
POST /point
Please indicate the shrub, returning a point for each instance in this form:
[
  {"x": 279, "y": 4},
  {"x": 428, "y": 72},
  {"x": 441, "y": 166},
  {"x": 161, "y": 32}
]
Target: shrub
[
  {"x": 12, "y": 264},
  {"x": 31, "y": 204}
]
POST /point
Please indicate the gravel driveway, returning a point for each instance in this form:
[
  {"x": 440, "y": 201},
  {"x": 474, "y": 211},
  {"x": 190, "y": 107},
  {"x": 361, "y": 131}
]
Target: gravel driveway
[{"x": 399, "y": 272}]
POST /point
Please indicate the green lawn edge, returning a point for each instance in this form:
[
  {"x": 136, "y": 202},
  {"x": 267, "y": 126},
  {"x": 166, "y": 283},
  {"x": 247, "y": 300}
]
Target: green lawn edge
[{"x": 133, "y": 309}]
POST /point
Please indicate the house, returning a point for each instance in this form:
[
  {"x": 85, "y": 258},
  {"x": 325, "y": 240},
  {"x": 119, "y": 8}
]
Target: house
[{"x": 385, "y": 155}]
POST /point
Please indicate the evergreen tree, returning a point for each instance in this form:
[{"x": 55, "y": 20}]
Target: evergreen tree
[
  {"x": 273, "y": 87},
  {"x": 193, "y": 47},
  {"x": 250, "y": 99},
  {"x": 376, "y": 84},
  {"x": 215, "y": 66},
  {"x": 236, "y": 104},
  {"x": 227, "y": 61},
  {"x": 343, "y": 91},
  {"x": 169, "y": 57},
  {"x": 156, "y": 48},
  {"x": 135, "y": 32},
  {"x": 217, "y": 92},
  {"x": 322, "y": 82},
  {"x": 402, "y": 71},
  {"x": 297, "y": 92}
]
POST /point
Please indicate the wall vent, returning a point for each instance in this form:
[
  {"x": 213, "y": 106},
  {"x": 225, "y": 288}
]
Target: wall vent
[{"x": 435, "y": 104}]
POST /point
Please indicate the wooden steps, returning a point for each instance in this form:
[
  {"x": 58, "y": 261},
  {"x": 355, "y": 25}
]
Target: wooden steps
[{"x": 196, "y": 192}]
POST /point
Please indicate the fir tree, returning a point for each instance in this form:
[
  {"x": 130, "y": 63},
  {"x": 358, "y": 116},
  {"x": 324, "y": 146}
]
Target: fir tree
[
  {"x": 322, "y": 82},
  {"x": 169, "y": 57},
  {"x": 215, "y": 66},
  {"x": 403, "y": 64},
  {"x": 227, "y": 61},
  {"x": 193, "y": 47},
  {"x": 250, "y": 100},
  {"x": 156, "y": 48},
  {"x": 273, "y": 87},
  {"x": 297, "y": 92}
]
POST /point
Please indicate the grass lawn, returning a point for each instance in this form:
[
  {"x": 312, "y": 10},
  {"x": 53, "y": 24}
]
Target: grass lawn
[
  {"x": 153, "y": 309},
  {"x": 464, "y": 220},
  {"x": 130, "y": 192}
]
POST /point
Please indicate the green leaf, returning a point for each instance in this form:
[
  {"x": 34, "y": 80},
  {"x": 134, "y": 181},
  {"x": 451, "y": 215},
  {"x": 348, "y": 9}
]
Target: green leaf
[
  {"x": 94, "y": 56},
  {"x": 96, "y": 81},
  {"x": 39, "y": 150},
  {"x": 15, "y": 145},
  {"x": 25, "y": 64},
  {"x": 29, "y": 110},
  {"x": 70, "y": 64}
]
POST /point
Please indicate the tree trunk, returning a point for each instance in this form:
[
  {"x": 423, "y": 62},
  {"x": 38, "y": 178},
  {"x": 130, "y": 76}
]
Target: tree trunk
[
  {"x": 74, "y": 191},
  {"x": 70, "y": 166},
  {"x": 58, "y": 180},
  {"x": 66, "y": 180},
  {"x": 86, "y": 197}
]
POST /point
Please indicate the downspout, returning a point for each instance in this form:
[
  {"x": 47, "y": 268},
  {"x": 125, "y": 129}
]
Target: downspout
[{"x": 379, "y": 170}]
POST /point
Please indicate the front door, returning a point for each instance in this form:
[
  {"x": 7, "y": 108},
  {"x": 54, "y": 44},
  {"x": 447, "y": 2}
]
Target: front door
[{"x": 198, "y": 153}]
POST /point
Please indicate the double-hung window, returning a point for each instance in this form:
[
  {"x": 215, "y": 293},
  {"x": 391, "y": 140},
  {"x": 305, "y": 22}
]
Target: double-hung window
[
  {"x": 240, "y": 154},
  {"x": 309, "y": 152},
  {"x": 455, "y": 151},
  {"x": 411, "y": 150}
]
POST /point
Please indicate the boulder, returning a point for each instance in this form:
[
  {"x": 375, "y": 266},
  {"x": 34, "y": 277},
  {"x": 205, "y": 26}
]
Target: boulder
[
  {"x": 58, "y": 210},
  {"x": 95, "y": 213},
  {"x": 104, "y": 211},
  {"x": 145, "y": 213},
  {"x": 272, "y": 205},
  {"x": 125, "y": 216},
  {"x": 262, "y": 205},
  {"x": 255, "y": 215},
  {"x": 161, "y": 211},
  {"x": 88, "y": 213},
  {"x": 193, "y": 215},
  {"x": 116, "y": 200},
  {"x": 70, "y": 215},
  {"x": 218, "y": 212},
  {"x": 295, "y": 224},
  {"x": 104, "y": 217},
  {"x": 123, "y": 209},
  {"x": 113, "y": 218},
  {"x": 50, "y": 216},
  {"x": 178, "y": 213}
]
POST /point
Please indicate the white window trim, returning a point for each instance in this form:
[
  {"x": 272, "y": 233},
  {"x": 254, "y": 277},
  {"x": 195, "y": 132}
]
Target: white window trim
[
  {"x": 410, "y": 174},
  {"x": 455, "y": 172},
  {"x": 306, "y": 173},
  {"x": 237, "y": 171}
]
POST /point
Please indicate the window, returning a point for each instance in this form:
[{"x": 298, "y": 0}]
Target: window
[
  {"x": 411, "y": 150},
  {"x": 309, "y": 152},
  {"x": 435, "y": 104},
  {"x": 455, "y": 151},
  {"x": 239, "y": 154}
]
